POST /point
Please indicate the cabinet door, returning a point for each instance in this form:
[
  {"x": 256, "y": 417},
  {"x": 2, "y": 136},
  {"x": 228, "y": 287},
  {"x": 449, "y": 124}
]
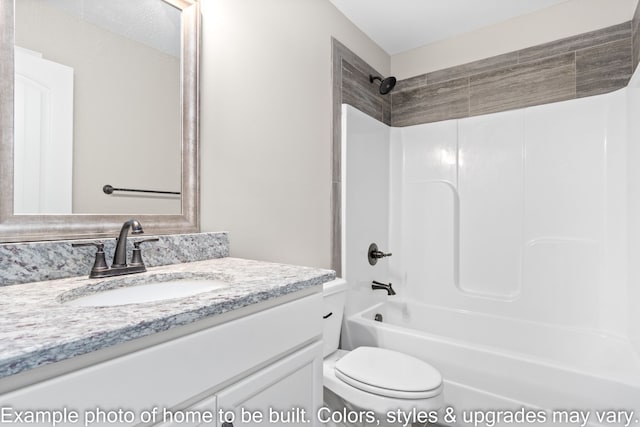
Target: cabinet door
[{"x": 288, "y": 392}]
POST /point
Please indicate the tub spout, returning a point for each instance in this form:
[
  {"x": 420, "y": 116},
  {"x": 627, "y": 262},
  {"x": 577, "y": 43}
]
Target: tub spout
[{"x": 388, "y": 288}]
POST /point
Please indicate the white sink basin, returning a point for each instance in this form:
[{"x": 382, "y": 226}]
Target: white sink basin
[{"x": 147, "y": 292}]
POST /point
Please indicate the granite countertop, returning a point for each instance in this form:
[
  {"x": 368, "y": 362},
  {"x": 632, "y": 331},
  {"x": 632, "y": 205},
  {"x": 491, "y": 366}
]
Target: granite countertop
[{"x": 37, "y": 328}]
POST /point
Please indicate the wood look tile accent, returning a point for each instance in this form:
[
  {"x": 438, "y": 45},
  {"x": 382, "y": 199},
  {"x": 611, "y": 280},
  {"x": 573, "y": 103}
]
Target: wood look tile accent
[
  {"x": 474, "y": 67},
  {"x": 635, "y": 49},
  {"x": 523, "y": 85},
  {"x": 431, "y": 103},
  {"x": 350, "y": 84},
  {"x": 386, "y": 110},
  {"x": 336, "y": 109},
  {"x": 359, "y": 92},
  {"x": 410, "y": 83},
  {"x": 587, "y": 64},
  {"x": 344, "y": 61},
  {"x": 635, "y": 38},
  {"x": 336, "y": 229},
  {"x": 581, "y": 41},
  {"x": 603, "y": 68}
]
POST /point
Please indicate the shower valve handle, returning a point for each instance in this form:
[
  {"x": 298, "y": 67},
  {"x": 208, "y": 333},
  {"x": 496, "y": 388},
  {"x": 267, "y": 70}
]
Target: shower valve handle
[
  {"x": 374, "y": 254},
  {"x": 379, "y": 254}
]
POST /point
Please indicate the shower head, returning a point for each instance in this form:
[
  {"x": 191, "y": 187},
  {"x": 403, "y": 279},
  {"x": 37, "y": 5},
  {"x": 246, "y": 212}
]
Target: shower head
[{"x": 386, "y": 85}]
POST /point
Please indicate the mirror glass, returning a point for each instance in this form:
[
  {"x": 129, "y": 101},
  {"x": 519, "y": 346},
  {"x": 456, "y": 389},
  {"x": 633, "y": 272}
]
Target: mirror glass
[
  {"x": 97, "y": 102},
  {"x": 130, "y": 77}
]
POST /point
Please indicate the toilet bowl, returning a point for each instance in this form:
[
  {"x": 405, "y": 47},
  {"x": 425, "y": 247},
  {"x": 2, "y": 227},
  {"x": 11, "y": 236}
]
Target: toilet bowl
[{"x": 372, "y": 382}]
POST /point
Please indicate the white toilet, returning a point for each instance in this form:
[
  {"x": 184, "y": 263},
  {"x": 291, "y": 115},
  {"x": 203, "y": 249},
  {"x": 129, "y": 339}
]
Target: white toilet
[{"x": 369, "y": 378}]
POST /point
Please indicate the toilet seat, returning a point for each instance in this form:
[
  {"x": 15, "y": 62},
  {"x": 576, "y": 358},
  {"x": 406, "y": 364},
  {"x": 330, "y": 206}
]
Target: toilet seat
[
  {"x": 359, "y": 398},
  {"x": 388, "y": 373}
]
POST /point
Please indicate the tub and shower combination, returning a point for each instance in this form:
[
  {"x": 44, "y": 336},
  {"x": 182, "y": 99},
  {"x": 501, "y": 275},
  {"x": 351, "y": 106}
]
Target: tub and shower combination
[
  {"x": 492, "y": 363},
  {"x": 514, "y": 255}
]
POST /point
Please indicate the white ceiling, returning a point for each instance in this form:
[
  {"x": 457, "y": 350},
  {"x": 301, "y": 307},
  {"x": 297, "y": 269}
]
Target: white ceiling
[{"x": 400, "y": 25}]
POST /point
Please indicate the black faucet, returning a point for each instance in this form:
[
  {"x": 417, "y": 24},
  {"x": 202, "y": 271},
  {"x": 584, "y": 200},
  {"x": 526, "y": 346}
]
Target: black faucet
[
  {"x": 120, "y": 255},
  {"x": 119, "y": 265},
  {"x": 388, "y": 288}
]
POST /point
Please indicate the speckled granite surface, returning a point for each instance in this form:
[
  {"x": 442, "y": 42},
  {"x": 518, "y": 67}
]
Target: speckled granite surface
[
  {"x": 37, "y": 328},
  {"x": 32, "y": 262}
]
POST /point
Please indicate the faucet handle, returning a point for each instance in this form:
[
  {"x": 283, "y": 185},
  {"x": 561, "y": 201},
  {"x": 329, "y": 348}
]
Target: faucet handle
[
  {"x": 136, "y": 256},
  {"x": 100, "y": 263},
  {"x": 98, "y": 244},
  {"x": 137, "y": 243}
]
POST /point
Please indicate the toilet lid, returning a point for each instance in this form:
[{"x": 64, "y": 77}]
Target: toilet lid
[{"x": 388, "y": 373}]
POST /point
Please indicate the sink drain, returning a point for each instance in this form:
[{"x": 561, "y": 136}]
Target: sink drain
[{"x": 378, "y": 317}]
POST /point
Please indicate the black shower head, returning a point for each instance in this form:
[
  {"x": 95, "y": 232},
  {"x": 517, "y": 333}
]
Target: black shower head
[{"x": 386, "y": 85}]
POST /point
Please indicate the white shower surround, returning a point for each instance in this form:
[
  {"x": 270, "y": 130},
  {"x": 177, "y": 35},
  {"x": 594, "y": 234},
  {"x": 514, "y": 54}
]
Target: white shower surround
[{"x": 527, "y": 216}]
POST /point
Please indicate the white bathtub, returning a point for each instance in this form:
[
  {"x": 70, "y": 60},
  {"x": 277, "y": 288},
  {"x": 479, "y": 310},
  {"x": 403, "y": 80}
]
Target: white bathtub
[{"x": 492, "y": 363}]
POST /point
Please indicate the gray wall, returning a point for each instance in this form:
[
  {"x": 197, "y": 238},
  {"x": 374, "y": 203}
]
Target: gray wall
[{"x": 266, "y": 123}]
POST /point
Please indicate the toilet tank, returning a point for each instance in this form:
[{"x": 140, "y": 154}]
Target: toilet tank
[{"x": 334, "y": 296}]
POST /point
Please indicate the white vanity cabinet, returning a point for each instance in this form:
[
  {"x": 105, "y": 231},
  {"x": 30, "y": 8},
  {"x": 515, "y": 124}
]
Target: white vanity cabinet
[
  {"x": 287, "y": 392},
  {"x": 270, "y": 360}
]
